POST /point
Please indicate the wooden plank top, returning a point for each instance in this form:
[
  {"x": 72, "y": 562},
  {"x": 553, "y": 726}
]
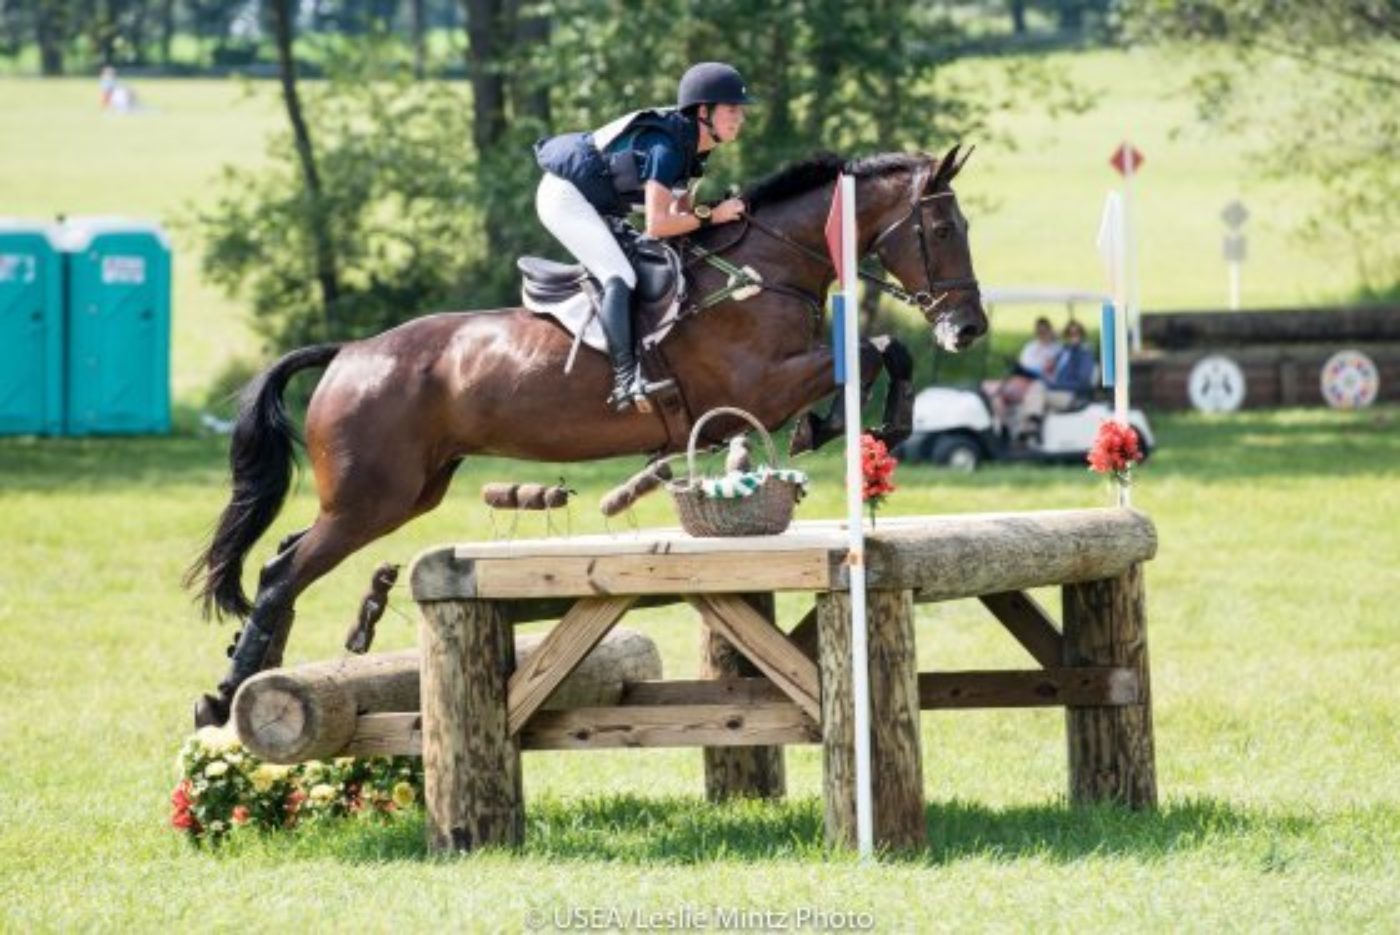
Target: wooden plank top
[{"x": 955, "y": 555}]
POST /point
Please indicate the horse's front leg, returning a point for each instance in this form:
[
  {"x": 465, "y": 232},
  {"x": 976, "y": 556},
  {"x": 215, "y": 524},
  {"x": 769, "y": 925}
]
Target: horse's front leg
[
  {"x": 814, "y": 430},
  {"x": 898, "y": 418}
]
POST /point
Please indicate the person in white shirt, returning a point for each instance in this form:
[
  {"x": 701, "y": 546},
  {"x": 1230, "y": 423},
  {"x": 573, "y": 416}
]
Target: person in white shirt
[{"x": 1035, "y": 362}]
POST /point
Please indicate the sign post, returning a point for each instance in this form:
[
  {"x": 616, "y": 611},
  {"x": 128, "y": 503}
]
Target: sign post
[{"x": 1127, "y": 159}]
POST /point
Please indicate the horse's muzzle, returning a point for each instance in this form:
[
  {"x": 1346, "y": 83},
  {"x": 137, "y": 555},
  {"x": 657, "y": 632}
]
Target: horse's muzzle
[{"x": 959, "y": 327}]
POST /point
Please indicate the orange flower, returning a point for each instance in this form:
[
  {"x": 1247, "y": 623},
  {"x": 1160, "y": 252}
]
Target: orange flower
[{"x": 1115, "y": 451}]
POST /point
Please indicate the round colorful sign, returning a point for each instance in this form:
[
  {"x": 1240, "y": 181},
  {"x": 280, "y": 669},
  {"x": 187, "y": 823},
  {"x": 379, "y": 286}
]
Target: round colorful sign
[
  {"x": 1350, "y": 380},
  {"x": 1216, "y": 384}
]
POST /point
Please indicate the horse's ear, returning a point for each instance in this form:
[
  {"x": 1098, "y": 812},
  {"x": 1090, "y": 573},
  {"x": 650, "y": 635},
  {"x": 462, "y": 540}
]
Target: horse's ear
[
  {"x": 947, "y": 168},
  {"x": 963, "y": 161}
]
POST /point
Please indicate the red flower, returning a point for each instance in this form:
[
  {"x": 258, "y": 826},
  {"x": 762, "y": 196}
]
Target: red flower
[
  {"x": 877, "y": 470},
  {"x": 1115, "y": 451},
  {"x": 240, "y": 815},
  {"x": 181, "y": 804}
]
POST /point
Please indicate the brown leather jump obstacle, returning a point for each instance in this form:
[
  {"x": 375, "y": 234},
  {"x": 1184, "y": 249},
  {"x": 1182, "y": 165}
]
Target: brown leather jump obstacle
[{"x": 766, "y": 687}]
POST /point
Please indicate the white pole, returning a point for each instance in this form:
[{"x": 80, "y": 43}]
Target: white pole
[
  {"x": 860, "y": 654},
  {"x": 1133, "y": 307},
  {"x": 1234, "y": 285}
]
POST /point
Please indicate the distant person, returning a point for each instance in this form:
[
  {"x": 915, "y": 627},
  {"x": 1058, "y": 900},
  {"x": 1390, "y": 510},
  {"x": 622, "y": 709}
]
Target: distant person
[
  {"x": 116, "y": 96},
  {"x": 1036, "y": 360},
  {"x": 1069, "y": 382}
]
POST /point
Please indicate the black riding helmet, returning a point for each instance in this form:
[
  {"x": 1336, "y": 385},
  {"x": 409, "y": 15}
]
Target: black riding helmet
[{"x": 711, "y": 83}]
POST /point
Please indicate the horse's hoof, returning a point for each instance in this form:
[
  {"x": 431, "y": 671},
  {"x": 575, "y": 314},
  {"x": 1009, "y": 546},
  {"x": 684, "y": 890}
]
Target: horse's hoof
[{"x": 210, "y": 711}]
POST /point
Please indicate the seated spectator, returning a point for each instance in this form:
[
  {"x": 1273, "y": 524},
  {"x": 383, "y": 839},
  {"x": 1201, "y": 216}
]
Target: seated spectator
[
  {"x": 1070, "y": 382},
  {"x": 1036, "y": 359}
]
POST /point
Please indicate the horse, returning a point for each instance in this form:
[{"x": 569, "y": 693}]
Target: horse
[{"x": 394, "y": 415}]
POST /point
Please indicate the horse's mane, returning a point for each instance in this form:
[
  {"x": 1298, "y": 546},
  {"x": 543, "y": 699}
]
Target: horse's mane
[{"x": 821, "y": 169}]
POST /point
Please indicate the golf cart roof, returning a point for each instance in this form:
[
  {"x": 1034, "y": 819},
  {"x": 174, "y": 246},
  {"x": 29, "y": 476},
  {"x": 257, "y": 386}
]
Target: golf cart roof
[{"x": 1030, "y": 295}]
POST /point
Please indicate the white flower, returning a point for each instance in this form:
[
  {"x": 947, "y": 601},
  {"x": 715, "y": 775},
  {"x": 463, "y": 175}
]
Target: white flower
[
  {"x": 322, "y": 793},
  {"x": 217, "y": 740},
  {"x": 233, "y": 758},
  {"x": 216, "y": 827},
  {"x": 216, "y": 769}
]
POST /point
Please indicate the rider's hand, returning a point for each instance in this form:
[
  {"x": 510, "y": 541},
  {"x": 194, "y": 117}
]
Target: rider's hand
[{"x": 731, "y": 209}]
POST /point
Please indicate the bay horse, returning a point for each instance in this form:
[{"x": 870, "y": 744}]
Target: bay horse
[{"x": 394, "y": 415}]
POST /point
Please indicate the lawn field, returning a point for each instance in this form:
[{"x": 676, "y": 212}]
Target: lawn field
[
  {"x": 1273, "y": 626},
  {"x": 1272, "y": 613},
  {"x": 1035, "y": 209}
]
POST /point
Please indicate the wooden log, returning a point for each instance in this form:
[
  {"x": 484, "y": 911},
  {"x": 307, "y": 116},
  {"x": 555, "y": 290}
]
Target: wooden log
[
  {"x": 1338, "y": 326},
  {"x": 311, "y": 712},
  {"x": 471, "y": 763},
  {"x": 731, "y": 771},
  {"x": 1033, "y": 688},
  {"x": 894, "y": 719},
  {"x": 956, "y": 557},
  {"x": 1111, "y": 756}
]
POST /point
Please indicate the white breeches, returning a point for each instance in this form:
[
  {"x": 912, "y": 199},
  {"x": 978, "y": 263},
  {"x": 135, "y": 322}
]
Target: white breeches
[{"x": 577, "y": 225}]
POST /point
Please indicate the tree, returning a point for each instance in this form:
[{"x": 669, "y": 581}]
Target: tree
[{"x": 1329, "y": 113}]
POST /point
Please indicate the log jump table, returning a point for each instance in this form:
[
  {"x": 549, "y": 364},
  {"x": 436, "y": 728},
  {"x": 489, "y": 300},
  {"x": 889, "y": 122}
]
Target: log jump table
[{"x": 767, "y": 687}]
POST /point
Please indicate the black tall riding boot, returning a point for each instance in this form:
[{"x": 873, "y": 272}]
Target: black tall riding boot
[{"x": 616, "y": 318}]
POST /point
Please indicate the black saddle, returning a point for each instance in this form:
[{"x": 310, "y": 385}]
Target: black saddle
[{"x": 658, "y": 268}]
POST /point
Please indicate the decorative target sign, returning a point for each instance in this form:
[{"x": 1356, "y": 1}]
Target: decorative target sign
[
  {"x": 1216, "y": 384},
  {"x": 1350, "y": 380}
]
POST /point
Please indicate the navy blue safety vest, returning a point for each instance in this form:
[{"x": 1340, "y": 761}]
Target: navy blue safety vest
[{"x": 580, "y": 157}]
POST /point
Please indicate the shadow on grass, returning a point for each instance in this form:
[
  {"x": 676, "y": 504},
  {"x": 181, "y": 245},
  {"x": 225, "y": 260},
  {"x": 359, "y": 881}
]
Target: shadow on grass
[{"x": 635, "y": 829}]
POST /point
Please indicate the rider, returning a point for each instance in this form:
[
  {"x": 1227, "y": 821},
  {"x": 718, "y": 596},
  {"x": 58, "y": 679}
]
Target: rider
[{"x": 644, "y": 159}]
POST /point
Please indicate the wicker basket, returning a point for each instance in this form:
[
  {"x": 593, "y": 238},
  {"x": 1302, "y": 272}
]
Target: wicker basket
[{"x": 765, "y": 512}]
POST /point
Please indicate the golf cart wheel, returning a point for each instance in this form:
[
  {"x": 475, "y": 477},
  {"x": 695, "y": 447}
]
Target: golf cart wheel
[
  {"x": 957, "y": 453},
  {"x": 1143, "y": 447}
]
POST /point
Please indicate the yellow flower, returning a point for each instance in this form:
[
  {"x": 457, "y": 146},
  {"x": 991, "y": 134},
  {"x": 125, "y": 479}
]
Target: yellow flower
[
  {"x": 404, "y": 795},
  {"x": 216, "y": 769},
  {"x": 343, "y": 761},
  {"x": 267, "y": 774},
  {"x": 322, "y": 793}
]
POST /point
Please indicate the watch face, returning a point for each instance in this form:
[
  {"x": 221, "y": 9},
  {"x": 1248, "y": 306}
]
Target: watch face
[{"x": 702, "y": 212}]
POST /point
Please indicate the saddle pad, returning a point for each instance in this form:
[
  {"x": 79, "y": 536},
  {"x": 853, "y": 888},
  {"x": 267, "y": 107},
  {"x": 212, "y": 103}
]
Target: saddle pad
[{"x": 576, "y": 314}]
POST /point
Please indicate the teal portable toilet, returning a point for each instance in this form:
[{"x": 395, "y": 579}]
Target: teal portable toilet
[
  {"x": 118, "y": 286},
  {"x": 31, "y": 330}
]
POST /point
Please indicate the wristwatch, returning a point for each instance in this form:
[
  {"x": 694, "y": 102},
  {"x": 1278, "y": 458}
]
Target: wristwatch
[{"x": 702, "y": 214}]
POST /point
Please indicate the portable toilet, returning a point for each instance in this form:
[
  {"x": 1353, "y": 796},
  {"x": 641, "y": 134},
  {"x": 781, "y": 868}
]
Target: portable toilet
[
  {"x": 118, "y": 286},
  {"x": 31, "y": 330}
]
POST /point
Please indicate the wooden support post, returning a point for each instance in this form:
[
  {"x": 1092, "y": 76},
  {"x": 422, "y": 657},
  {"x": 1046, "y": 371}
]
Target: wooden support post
[
  {"x": 1111, "y": 755},
  {"x": 471, "y": 763},
  {"x": 737, "y": 772},
  {"x": 895, "y": 755}
]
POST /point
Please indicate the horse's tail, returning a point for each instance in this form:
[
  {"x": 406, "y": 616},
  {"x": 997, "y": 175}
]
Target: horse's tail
[{"x": 261, "y": 459}]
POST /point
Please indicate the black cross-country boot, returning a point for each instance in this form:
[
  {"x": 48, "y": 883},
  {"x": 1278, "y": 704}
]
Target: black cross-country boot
[
  {"x": 615, "y": 315},
  {"x": 248, "y": 653}
]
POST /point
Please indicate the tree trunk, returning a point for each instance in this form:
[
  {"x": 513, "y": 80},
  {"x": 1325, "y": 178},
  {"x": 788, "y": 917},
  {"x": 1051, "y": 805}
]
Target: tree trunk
[
  {"x": 419, "y": 26},
  {"x": 49, "y": 32},
  {"x": 320, "y": 232},
  {"x": 167, "y": 29},
  {"x": 485, "y": 48}
]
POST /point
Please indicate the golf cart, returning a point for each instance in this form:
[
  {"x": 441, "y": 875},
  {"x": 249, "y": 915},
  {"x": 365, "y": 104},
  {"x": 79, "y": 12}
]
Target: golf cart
[{"x": 954, "y": 426}]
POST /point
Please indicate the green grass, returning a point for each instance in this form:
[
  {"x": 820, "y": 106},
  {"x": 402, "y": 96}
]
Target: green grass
[
  {"x": 1274, "y": 647},
  {"x": 62, "y": 154}
]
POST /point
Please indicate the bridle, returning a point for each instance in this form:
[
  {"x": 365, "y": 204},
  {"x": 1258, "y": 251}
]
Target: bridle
[{"x": 937, "y": 289}]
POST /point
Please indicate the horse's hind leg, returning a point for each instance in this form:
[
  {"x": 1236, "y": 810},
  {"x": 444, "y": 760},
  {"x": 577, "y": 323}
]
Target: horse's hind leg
[{"x": 308, "y": 556}]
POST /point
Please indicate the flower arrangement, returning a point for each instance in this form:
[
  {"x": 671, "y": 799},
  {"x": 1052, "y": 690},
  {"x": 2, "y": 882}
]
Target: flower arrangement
[
  {"x": 1115, "y": 452},
  {"x": 223, "y": 788},
  {"x": 877, "y": 472}
]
